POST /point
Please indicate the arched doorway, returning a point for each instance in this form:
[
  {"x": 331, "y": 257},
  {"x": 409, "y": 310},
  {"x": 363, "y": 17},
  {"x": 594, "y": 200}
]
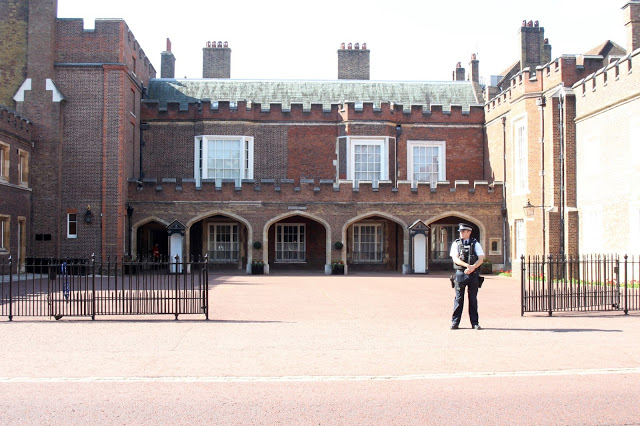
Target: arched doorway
[
  {"x": 376, "y": 243},
  {"x": 150, "y": 234},
  {"x": 444, "y": 232},
  {"x": 297, "y": 242},
  {"x": 224, "y": 238}
]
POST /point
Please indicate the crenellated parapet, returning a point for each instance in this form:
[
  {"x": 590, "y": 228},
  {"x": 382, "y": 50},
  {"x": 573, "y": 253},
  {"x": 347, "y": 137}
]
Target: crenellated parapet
[
  {"x": 609, "y": 85},
  {"x": 14, "y": 124},
  {"x": 103, "y": 44},
  {"x": 312, "y": 191},
  {"x": 243, "y": 110}
]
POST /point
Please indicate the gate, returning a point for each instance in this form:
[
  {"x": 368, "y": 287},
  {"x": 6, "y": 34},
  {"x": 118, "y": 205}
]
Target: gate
[
  {"x": 83, "y": 289},
  {"x": 590, "y": 283}
]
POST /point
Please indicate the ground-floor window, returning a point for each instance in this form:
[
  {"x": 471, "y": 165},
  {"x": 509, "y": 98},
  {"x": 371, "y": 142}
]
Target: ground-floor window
[
  {"x": 4, "y": 233},
  {"x": 223, "y": 242},
  {"x": 442, "y": 236},
  {"x": 519, "y": 234},
  {"x": 290, "y": 243},
  {"x": 367, "y": 243}
]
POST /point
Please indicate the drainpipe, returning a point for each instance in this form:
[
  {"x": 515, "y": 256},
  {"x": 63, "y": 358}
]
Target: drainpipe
[{"x": 398, "y": 134}]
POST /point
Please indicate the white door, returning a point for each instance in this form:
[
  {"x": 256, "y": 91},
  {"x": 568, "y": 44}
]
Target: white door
[
  {"x": 420, "y": 254},
  {"x": 175, "y": 248}
]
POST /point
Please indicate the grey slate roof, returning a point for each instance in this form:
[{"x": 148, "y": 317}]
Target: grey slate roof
[{"x": 287, "y": 92}]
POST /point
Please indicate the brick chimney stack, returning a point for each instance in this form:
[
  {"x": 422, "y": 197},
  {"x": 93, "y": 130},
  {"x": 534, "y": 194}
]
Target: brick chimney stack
[
  {"x": 632, "y": 23},
  {"x": 216, "y": 60},
  {"x": 474, "y": 64},
  {"x": 458, "y": 74},
  {"x": 535, "y": 49},
  {"x": 353, "y": 62},
  {"x": 167, "y": 62}
]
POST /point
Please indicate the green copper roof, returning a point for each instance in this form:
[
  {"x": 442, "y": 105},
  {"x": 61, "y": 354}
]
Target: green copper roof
[{"x": 287, "y": 92}]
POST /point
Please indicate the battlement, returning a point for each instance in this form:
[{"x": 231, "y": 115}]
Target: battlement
[
  {"x": 563, "y": 70},
  {"x": 75, "y": 44},
  {"x": 609, "y": 84},
  {"x": 12, "y": 123},
  {"x": 311, "y": 190},
  {"x": 242, "y": 110}
]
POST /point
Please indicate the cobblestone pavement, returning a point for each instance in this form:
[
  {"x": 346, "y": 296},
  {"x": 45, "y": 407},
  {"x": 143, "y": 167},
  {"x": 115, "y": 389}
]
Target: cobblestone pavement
[{"x": 304, "y": 349}]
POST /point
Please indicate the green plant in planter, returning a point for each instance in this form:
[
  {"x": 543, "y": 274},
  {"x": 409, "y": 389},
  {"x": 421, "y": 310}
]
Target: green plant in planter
[
  {"x": 257, "y": 267},
  {"x": 486, "y": 268},
  {"x": 337, "y": 267}
]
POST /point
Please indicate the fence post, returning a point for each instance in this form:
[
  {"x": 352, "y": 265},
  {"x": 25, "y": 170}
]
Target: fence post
[
  {"x": 10, "y": 289},
  {"x": 549, "y": 282},
  {"x": 93, "y": 286},
  {"x": 626, "y": 293},
  {"x": 522, "y": 284},
  {"x": 206, "y": 286},
  {"x": 177, "y": 259}
]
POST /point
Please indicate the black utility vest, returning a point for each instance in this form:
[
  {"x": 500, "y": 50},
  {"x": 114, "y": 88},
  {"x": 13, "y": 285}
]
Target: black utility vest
[{"x": 466, "y": 253}]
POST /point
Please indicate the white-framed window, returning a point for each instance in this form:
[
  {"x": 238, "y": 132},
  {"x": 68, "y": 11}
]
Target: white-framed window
[
  {"x": 223, "y": 242},
  {"x": 495, "y": 245},
  {"x": 427, "y": 161},
  {"x": 520, "y": 156},
  {"x": 23, "y": 167},
  {"x": 223, "y": 157},
  {"x": 72, "y": 225},
  {"x": 368, "y": 158},
  {"x": 4, "y": 233},
  {"x": 519, "y": 239},
  {"x": 290, "y": 242},
  {"x": 367, "y": 243},
  {"x": 4, "y": 161}
]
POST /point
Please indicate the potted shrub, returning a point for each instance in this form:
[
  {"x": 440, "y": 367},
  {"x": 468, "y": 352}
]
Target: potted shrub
[
  {"x": 257, "y": 267},
  {"x": 486, "y": 267},
  {"x": 337, "y": 267}
]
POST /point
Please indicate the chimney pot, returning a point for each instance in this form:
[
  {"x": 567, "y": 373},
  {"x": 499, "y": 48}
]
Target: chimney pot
[
  {"x": 219, "y": 44},
  {"x": 524, "y": 23},
  {"x": 364, "y": 46},
  {"x": 349, "y": 46},
  {"x": 226, "y": 44},
  {"x": 536, "y": 24},
  {"x": 168, "y": 45},
  {"x": 357, "y": 46},
  {"x": 342, "y": 46},
  {"x": 530, "y": 24}
]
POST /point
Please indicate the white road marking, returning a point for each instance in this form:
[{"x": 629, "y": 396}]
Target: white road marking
[{"x": 268, "y": 379}]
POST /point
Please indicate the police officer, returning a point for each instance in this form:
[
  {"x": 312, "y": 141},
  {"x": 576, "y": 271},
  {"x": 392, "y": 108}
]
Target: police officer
[{"x": 467, "y": 255}]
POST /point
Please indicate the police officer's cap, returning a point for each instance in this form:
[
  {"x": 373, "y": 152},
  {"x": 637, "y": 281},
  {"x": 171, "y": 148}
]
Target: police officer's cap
[{"x": 463, "y": 227}]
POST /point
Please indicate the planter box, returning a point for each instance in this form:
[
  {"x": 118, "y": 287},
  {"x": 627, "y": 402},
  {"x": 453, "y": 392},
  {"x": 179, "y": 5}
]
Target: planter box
[
  {"x": 257, "y": 269},
  {"x": 337, "y": 270}
]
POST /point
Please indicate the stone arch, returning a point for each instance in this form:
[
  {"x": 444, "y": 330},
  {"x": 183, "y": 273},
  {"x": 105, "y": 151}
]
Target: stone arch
[
  {"x": 217, "y": 212},
  {"x": 275, "y": 219},
  {"x": 405, "y": 237},
  {"x": 137, "y": 225},
  {"x": 472, "y": 219}
]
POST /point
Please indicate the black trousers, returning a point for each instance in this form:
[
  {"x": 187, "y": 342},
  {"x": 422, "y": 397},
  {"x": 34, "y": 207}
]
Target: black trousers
[{"x": 470, "y": 283}]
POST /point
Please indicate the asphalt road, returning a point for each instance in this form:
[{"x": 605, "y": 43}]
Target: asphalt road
[{"x": 361, "y": 349}]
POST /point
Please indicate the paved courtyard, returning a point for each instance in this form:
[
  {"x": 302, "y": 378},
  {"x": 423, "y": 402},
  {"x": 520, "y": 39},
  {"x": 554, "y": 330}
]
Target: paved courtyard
[{"x": 306, "y": 349}]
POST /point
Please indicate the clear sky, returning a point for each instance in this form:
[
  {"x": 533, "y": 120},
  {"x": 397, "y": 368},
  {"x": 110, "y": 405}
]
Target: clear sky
[{"x": 408, "y": 40}]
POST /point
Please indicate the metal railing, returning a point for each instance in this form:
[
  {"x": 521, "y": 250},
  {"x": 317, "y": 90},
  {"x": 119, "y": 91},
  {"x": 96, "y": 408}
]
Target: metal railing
[
  {"x": 113, "y": 287},
  {"x": 589, "y": 283}
]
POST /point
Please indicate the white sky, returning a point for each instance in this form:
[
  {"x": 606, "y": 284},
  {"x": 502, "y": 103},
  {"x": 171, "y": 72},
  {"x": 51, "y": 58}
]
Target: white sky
[{"x": 408, "y": 40}]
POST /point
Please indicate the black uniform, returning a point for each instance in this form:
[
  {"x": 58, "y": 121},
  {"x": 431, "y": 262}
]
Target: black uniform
[{"x": 466, "y": 253}]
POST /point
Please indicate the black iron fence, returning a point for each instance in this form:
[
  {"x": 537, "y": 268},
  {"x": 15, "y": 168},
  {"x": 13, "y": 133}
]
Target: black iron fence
[
  {"x": 588, "y": 283},
  {"x": 89, "y": 288}
]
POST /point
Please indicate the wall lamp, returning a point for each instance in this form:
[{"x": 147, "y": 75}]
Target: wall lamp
[{"x": 88, "y": 216}]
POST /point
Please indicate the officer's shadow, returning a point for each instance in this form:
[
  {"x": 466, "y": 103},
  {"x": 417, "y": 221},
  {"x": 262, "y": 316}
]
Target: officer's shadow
[{"x": 556, "y": 330}]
